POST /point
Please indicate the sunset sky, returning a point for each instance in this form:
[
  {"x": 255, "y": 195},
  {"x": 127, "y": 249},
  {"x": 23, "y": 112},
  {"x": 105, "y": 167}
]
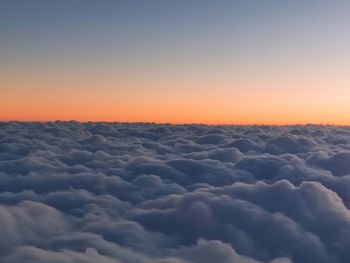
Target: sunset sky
[{"x": 180, "y": 61}]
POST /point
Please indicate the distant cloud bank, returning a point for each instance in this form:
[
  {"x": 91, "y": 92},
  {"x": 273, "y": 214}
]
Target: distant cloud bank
[{"x": 147, "y": 193}]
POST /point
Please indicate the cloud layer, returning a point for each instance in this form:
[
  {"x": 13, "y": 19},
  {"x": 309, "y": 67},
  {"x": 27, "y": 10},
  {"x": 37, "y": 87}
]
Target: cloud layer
[{"x": 144, "y": 193}]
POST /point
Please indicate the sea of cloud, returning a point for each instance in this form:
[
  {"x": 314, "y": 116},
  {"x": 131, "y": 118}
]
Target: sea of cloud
[{"x": 148, "y": 193}]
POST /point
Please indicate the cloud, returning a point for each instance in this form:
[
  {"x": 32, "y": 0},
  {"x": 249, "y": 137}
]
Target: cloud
[
  {"x": 338, "y": 164},
  {"x": 148, "y": 193}
]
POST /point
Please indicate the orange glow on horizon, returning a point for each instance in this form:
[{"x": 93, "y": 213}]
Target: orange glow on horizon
[
  {"x": 240, "y": 112},
  {"x": 170, "y": 99}
]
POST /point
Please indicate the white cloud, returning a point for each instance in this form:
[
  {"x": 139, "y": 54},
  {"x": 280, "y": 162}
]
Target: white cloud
[{"x": 112, "y": 192}]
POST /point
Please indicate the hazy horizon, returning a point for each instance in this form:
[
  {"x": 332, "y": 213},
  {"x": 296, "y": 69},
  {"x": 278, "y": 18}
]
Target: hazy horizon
[{"x": 177, "y": 123}]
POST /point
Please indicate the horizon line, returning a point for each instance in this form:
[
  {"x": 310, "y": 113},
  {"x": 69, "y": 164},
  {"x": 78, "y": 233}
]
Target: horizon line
[{"x": 175, "y": 123}]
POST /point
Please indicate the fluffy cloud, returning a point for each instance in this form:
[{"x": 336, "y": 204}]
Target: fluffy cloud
[{"x": 147, "y": 193}]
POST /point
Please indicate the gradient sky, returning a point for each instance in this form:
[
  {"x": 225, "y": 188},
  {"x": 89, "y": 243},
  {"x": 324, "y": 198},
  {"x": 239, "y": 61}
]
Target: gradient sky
[{"x": 182, "y": 61}]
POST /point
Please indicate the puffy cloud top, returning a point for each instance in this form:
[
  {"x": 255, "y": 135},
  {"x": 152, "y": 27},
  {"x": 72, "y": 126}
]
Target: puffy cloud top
[{"x": 144, "y": 193}]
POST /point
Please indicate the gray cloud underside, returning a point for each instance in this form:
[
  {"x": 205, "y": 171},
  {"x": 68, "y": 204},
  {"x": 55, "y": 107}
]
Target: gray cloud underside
[{"x": 144, "y": 193}]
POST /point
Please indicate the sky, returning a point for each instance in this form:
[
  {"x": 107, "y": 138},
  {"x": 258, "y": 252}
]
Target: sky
[{"x": 184, "y": 61}]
